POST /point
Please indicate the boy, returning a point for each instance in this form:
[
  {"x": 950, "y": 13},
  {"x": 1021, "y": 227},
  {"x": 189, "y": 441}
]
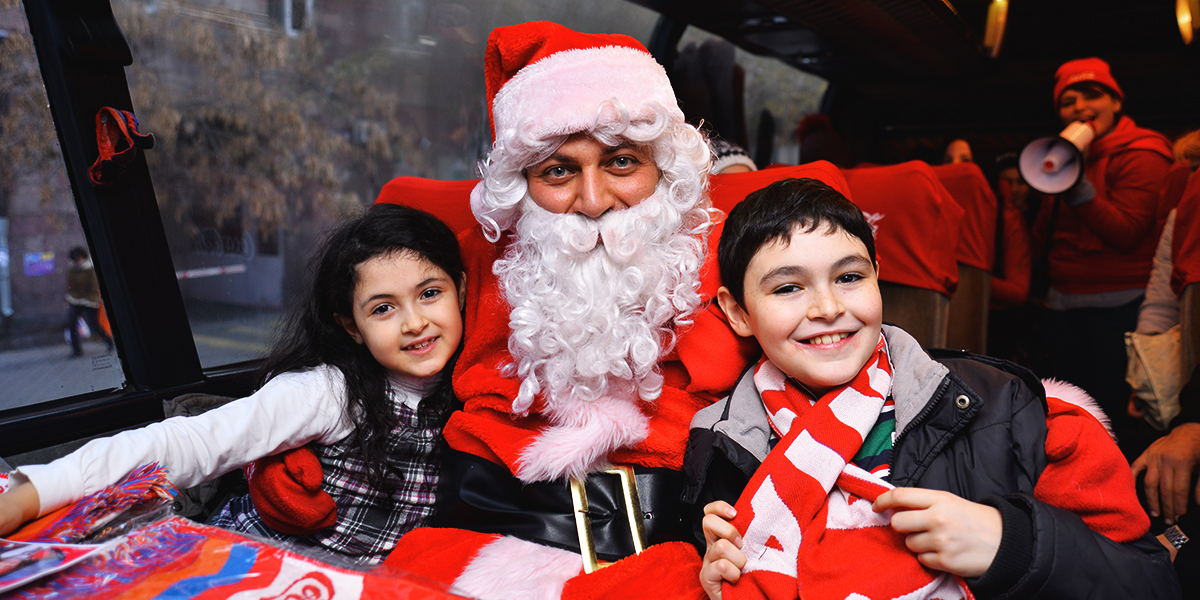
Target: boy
[{"x": 994, "y": 497}]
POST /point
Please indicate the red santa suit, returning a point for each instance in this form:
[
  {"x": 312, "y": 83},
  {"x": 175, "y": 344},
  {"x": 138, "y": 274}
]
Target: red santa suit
[{"x": 705, "y": 363}]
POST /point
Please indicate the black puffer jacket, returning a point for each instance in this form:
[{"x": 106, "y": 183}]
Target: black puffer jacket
[{"x": 970, "y": 425}]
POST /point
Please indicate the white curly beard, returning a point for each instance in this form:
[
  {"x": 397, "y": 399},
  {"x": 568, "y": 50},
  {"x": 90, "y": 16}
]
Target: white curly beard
[{"x": 594, "y": 305}]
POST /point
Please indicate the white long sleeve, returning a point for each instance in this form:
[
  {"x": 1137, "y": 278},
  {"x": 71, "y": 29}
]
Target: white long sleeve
[{"x": 291, "y": 410}]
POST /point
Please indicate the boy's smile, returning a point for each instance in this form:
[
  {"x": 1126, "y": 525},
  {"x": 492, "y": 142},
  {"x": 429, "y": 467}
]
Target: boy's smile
[{"x": 814, "y": 305}]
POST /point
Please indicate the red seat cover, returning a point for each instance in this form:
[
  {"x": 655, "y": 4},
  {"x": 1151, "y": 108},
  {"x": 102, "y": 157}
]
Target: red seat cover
[
  {"x": 917, "y": 224},
  {"x": 449, "y": 201},
  {"x": 729, "y": 189},
  {"x": 970, "y": 189}
]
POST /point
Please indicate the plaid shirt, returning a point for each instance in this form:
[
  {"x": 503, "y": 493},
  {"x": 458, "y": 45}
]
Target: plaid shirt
[{"x": 367, "y": 528}]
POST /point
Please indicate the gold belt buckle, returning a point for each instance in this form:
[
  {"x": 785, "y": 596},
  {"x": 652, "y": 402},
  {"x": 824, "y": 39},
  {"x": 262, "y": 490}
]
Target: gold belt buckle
[{"x": 583, "y": 522}]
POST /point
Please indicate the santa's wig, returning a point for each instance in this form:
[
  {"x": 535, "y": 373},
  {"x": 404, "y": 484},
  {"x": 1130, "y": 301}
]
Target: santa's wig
[{"x": 546, "y": 82}]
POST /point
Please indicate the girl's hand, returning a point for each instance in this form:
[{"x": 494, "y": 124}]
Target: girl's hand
[
  {"x": 18, "y": 505},
  {"x": 946, "y": 532},
  {"x": 723, "y": 559}
]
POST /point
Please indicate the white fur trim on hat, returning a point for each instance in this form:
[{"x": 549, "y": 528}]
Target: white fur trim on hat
[
  {"x": 568, "y": 92},
  {"x": 1072, "y": 394}
]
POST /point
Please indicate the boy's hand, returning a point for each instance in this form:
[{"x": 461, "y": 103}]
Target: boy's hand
[
  {"x": 1169, "y": 463},
  {"x": 946, "y": 532},
  {"x": 723, "y": 559},
  {"x": 17, "y": 506}
]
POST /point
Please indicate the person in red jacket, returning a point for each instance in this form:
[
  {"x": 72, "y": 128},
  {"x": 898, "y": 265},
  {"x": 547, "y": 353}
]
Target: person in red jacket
[{"x": 1102, "y": 235}]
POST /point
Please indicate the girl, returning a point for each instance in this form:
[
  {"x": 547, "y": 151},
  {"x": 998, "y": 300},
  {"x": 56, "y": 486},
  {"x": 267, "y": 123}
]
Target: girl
[{"x": 359, "y": 372}]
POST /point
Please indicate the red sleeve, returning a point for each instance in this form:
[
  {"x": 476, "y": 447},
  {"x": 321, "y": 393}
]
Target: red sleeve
[
  {"x": 1012, "y": 289},
  {"x": 1087, "y": 474},
  {"x": 1124, "y": 210}
]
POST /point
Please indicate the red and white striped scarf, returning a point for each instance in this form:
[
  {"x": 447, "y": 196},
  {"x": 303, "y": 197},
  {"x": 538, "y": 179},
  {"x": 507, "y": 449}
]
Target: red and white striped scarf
[{"x": 805, "y": 517}]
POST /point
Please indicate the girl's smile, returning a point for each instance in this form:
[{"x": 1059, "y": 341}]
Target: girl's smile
[
  {"x": 421, "y": 346},
  {"x": 407, "y": 314}
]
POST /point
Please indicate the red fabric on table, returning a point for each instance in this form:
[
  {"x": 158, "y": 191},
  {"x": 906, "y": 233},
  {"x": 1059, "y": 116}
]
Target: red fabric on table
[
  {"x": 449, "y": 201},
  {"x": 917, "y": 224},
  {"x": 729, "y": 189},
  {"x": 970, "y": 189},
  {"x": 1185, "y": 240}
]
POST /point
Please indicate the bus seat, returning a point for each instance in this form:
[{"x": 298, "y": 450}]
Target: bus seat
[
  {"x": 970, "y": 189},
  {"x": 917, "y": 227},
  {"x": 449, "y": 201},
  {"x": 968, "y": 317},
  {"x": 924, "y": 314},
  {"x": 1189, "y": 318},
  {"x": 969, "y": 305},
  {"x": 729, "y": 189}
]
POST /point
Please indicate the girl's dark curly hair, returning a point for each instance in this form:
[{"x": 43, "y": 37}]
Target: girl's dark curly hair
[{"x": 311, "y": 336}]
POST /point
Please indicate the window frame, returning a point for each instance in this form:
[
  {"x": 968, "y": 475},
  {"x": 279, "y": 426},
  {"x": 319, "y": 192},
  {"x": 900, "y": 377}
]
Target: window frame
[{"x": 82, "y": 55}]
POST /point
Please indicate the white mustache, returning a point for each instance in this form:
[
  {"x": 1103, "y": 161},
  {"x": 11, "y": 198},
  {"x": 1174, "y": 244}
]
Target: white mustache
[{"x": 621, "y": 233}]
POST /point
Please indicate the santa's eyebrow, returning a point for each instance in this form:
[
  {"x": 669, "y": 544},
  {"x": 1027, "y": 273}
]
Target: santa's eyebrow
[
  {"x": 626, "y": 145},
  {"x": 556, "y": 157}
]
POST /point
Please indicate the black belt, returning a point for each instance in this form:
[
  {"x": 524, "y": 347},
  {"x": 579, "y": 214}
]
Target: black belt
[{"x": 479, "y": 495}]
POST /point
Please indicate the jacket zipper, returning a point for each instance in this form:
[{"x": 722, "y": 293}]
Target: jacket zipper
[{"x": 921, "y": 416}]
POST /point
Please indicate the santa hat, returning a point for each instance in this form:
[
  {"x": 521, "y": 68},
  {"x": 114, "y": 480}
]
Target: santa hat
[
  {"x": 1082, "y": 70},
  {"x": 552, "y": 81}
]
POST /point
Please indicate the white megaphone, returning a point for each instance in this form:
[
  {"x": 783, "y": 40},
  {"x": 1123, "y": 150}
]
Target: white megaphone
[{"x": 1053, "y": 165}]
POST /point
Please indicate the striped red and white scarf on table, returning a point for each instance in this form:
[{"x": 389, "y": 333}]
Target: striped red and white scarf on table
[{"x": 806, "y": 521}]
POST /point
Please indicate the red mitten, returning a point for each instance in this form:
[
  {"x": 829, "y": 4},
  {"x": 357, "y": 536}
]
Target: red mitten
[{"x": 286, "y": 491}]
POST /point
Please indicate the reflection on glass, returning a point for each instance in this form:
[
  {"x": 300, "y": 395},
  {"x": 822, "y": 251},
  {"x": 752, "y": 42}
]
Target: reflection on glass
[
  {"x": 771, "y": 88},
  {"x": 275, "y": 118},
  {"x": 47, "y": 299}
]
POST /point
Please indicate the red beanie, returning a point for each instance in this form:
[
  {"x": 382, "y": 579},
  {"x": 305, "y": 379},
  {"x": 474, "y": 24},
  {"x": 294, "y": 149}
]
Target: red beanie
[
  {"x": 1085, "y": 69},
  {"x": 551, "y": 80}
]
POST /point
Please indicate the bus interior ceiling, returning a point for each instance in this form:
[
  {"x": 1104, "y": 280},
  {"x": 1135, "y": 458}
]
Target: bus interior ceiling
[{"x": 911, "y": 75}]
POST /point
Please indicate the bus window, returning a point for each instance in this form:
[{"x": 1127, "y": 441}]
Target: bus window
[
  {"x": 54, "y": 338},
  {"x": 272, "y": 124},
  {"x": 776, "y": 98}
]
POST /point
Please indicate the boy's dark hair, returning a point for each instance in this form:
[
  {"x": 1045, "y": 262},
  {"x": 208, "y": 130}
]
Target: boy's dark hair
[
  {"x": 773, "y": 213},
  {"x": 311, "y": 336},
  {"x": 77, "y": 253}
]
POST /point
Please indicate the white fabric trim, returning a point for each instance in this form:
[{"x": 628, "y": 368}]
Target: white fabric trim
[
  {"x": 514, "y": 569},
  {"x": 564, "y": 93},
  {"x": 1072, "y": 394}
]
